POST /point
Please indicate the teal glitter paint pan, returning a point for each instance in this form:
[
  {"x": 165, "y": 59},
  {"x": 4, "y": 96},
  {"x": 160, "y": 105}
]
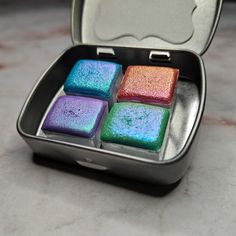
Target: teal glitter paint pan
[{"x": 94, "y": 78}]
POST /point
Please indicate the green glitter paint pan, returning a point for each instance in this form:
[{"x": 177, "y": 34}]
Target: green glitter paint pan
[{"x": 136, "y": 129}]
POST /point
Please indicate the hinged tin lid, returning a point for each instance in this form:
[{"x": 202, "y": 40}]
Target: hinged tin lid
[{"x": 161, "y": 24}]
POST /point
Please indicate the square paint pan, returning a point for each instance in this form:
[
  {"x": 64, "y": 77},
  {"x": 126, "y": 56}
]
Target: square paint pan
[
  {"x": 149, "y": 84},
  {"x": 136, "y": 129},
  {"x": 94, "y": 78},
  {"x": 74, "y": 119}
]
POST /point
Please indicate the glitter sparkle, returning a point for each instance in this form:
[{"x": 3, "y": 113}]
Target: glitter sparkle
[
  {"x": 75, "y": 115},
  {"x": 92, "y": 78},
  {"x": 136, "y": 125},
  {"x": 149, "y": 84}
]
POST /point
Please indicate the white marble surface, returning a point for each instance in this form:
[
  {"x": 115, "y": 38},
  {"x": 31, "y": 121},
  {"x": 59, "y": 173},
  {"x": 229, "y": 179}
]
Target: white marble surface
[{"x": 37, "y": 200}]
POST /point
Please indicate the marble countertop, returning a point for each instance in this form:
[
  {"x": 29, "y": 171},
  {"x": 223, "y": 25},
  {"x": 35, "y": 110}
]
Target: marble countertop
[{"x": 37, "y": 200}]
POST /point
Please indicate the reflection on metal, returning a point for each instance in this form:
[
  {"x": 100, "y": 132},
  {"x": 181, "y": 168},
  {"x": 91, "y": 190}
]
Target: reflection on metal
[{"x": 183, "y": 118}]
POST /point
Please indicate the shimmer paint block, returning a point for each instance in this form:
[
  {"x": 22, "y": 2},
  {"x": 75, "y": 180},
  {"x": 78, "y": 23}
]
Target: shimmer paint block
[
  {"x": 149, "y": 84},
  {"x": 75, "y": 116},
  {"x": 93, "y": 78},
  {"x": 135, "y": 125}
]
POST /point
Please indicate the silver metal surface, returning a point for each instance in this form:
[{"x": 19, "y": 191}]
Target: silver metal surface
[
  {"x": 204, "y": 19},
  {"x": 91, "y": 165},
  {"x": 191, "y": 97},
  {"x": 191, "y": 93},
  {"x": 105, "y": 51},
  {"x": 158, "y": 56},
  {"x": 183, "y": 118}
]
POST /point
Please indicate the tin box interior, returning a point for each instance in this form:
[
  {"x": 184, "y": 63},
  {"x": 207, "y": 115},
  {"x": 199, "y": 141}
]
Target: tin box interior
[{"x": 94, "y": 42}]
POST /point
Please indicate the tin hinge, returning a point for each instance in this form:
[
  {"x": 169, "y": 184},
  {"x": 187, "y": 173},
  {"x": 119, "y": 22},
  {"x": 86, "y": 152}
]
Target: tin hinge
[
  {"x": 159, "y": 56},
  {"x": 106, "y": 53}
]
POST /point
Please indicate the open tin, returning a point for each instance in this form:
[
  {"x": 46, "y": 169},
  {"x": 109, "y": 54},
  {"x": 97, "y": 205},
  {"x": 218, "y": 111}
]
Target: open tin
[{"x": 132, "y": 41}]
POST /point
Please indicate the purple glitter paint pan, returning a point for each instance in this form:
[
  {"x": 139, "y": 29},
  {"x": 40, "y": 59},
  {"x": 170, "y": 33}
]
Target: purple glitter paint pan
[{"x": 75, "y": 116}]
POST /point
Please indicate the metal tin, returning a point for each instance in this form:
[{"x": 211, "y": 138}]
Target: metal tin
[
  {"x": 199, "y": 17},
  {"x": 189, "y": 108}
]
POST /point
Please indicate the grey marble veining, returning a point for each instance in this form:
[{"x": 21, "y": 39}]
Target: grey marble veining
[{"x": 37, "y": 200}]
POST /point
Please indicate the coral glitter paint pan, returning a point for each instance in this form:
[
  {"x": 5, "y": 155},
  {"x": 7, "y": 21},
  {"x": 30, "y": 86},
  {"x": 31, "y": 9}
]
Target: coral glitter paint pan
[
  {"x": 133, "y": 137},
  {"x": 149, "y": 84}
]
